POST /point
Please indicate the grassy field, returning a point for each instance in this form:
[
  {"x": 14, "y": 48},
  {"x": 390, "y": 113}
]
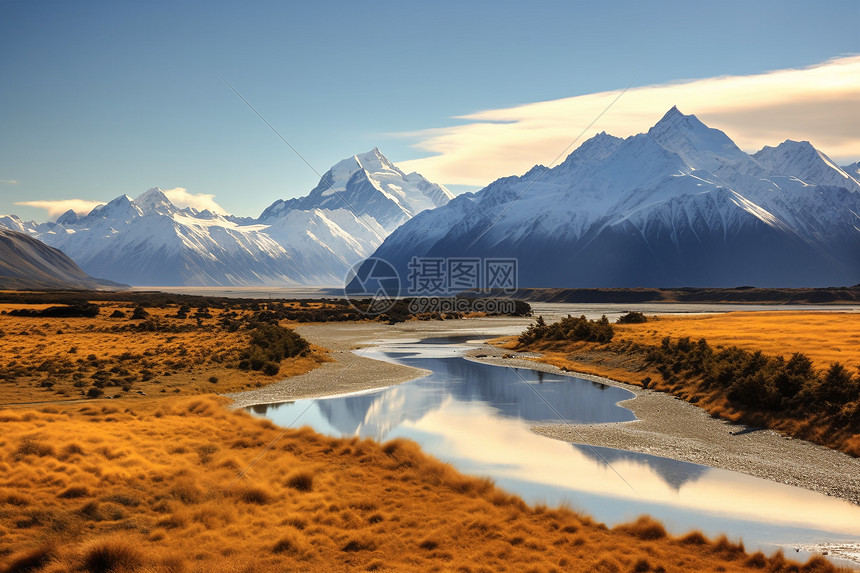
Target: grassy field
[
  {"x": 152, "y": 486},
  {"x": 824, "y": 337},
  {"x": 52, "y": 359},
  {"x": 163, "y": 477}
]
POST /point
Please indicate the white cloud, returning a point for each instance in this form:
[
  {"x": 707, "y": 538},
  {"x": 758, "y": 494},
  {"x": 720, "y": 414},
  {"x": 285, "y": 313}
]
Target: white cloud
[
  {"x": 180, "y": 197},
  {"x": 60, "y": 206},
  {"x": 9, "y": 181},
  {"x": 819, "y": 104}
]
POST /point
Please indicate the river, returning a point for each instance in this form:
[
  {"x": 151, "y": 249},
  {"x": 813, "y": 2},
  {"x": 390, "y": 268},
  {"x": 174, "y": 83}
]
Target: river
[{"x": 478, "y": 417}]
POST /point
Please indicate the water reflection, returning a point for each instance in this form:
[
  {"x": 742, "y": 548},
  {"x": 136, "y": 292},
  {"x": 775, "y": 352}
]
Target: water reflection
[
  {"x": 477, "y": 417},
  {"x": 674, "y": 473},
  {"x": 518, "y": 394}
]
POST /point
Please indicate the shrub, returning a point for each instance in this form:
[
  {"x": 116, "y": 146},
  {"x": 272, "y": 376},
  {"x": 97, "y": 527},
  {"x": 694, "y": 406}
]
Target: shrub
[
  {"x": 271, "y": 343},
  {"x": 837, "y": 387},
  {"x": 632, "y": 317},
  {"x": 569, "y": 328},
  {"x": 139, "y": 313},
  {"x": 81, "y": 309}
]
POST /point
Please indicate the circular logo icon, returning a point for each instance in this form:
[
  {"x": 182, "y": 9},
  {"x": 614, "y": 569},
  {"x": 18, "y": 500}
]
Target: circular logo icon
[{"x": 372, "y": 286}]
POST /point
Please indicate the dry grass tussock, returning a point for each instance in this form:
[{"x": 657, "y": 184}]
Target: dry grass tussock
[
  {"x": 171, "y": 351},
  {"x": 146, "y": 487}
]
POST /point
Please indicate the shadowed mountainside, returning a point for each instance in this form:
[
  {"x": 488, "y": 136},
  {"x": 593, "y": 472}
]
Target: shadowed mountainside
[{"x": 29, "y": 264}]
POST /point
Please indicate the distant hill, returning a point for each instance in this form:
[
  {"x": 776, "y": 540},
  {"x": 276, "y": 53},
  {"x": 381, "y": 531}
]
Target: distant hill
[
  {"x": 29, "y": 264},
  {"x": 738, "y": 295}
]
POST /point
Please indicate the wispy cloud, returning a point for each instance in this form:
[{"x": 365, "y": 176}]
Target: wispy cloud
[
  {"x": 9, "y": 181},
  {"x": 180, "y": 197},
  {"x": 818, "y": 104},
  {"x": 60, "y": 206}
]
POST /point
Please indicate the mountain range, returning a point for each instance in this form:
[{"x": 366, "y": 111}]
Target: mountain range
[
  {"x": 314, "y": 240},
  {"x": 680, "y": 205}
]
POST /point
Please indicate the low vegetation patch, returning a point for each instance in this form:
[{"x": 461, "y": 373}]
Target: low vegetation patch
[
  {"x": 103, "y": 345},
  {"x": 570, "y": 329},
  {"x": 74, "y": 310},
  {"x": 127, "y": 350}
]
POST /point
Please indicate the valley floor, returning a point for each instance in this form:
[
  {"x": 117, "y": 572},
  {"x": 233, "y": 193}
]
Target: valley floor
[{"x": 148, "y": 484}]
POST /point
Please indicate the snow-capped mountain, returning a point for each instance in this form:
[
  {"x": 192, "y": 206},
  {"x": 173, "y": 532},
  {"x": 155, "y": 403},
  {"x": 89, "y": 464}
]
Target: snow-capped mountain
[
  {"x": 680, "y": 205},
  {"x": 369, "y": 186},
  {"x": 149, "y": 241}
]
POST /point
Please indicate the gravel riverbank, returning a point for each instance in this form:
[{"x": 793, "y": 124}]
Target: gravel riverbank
[{"x": 347, "y": 372}]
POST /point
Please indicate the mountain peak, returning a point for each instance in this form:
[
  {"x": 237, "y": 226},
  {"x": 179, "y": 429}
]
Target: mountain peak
[
  {"x": 374, "y": 161},
  {"x": 122, "y": 208},
  {"x": 68, "y": 218},
  {"x": 369, "y": 185},
  {"x": 700, "y": 146},
  {"x": 155, "y": 201},
  {"x": 673, "y": 112},
  {"x": 675, "y": 119},
  {"x": 802, "y": 160},
  {"x": 151, "y": 192}
]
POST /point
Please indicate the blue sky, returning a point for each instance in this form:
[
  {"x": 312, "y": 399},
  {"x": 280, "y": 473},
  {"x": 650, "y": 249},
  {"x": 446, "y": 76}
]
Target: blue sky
[{"x": 103, "y": 98}]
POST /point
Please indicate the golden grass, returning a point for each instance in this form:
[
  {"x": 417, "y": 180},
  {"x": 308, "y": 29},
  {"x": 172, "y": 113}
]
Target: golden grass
[
  {"x": 48, "y": 359},
  {"x": 825, "y": 337},
  {"x": 149, "y": 487}
]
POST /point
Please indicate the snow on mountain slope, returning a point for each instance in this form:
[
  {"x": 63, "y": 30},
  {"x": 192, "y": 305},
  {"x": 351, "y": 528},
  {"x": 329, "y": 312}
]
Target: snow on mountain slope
[
  {"x": 680, "y": 205},
  {"x": 371, "y": 187},
  {"x": 800, "y": 159},
  {"x": 314, "y": 240}
]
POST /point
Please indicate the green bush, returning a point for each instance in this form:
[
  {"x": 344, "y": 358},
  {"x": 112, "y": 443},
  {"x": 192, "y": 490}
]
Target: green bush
[
  {"x": 569, "y": 328},
  {"x": 632, "y": 317},
  {"x": 760, "y": 382},
  {"x": 271, "y": 343},
  {"x": 270, "y": 368}
]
